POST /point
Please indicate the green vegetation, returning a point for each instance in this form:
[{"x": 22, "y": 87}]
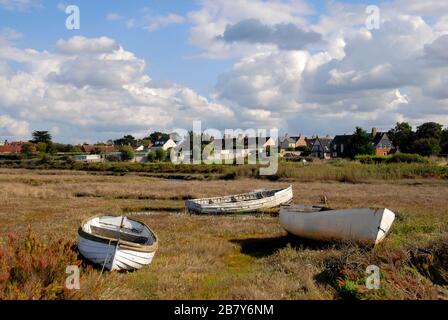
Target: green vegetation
[
  {"x": 429, "y": 139},
  {"x": 399, "y": 166},
  {"x": 228, "y": 257},
  {"x": 127, "y": 153},
  {"x": 395, "y": 158},
  {"x": 361, "y": 143}
]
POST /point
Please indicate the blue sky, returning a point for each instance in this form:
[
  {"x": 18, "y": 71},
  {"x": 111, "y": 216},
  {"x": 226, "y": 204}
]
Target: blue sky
[{"x": 301, "y": 66}]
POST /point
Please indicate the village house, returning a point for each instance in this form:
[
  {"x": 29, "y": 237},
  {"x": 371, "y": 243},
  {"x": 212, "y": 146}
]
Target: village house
[
  {"x": 89, "y": 157},
  {"x": 293, "y": 142},
  {"x": 14, "y": 147},
  {"x": 233, "y": 148},
  {"x": 381, "y": 142},
  {"x": 164, "y": 143},
  {"x": 340, "y": 146},
  {"x": 321, "y": 148}
]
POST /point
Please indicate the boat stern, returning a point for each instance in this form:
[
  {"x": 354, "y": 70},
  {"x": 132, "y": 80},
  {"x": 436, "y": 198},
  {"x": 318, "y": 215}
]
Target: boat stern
[{"x": 386, "y": 222}]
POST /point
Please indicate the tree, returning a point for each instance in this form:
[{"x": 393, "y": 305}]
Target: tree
[
  {"x": 361, "y": 143},
  {"x": 427, "y": 146},
  {"x": 402, "y": 136},
  {"x": 429, "y": 130},
  {"x": 157, "y": 136},
  {"x": 305, "y": 150},
  {"x": 428, "y": 139},
  {"x": 41, "y": 136},
  {"x": 26, "y": 150},
  {"x": 41, "y": 147},
  {"x": 127, "y": 140},
  {"x": 127, "y": 153},
  {"x": 444, "y": 142}
]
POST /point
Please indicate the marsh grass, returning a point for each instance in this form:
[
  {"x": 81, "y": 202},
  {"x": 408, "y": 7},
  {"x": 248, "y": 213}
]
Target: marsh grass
[{"x": 231, "y": 257}]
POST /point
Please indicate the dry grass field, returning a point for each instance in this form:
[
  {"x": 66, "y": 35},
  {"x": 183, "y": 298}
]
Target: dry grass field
[{"x": 239, "y": 256}]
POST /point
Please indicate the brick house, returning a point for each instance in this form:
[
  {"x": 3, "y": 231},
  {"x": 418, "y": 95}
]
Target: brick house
[
  {"x": 381, "y": 142},
  {"x": 14, "y": 147}
]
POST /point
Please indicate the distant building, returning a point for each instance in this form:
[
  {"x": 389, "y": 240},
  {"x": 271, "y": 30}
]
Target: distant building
[
  {"x": 293, "y": 142},
  {"x": 383, "y": 145},
  {"x": 14, "y": 147},
  {"x": 321, "y": 148},
  {"x": 89, "y": 157},
  {"x": 164, "y": 143},
  {"x": 340, "y": 146}
]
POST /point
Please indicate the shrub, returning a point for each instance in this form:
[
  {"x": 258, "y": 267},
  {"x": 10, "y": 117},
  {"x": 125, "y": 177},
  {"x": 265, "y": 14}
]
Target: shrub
[
  {"x": 152, "y": 156},
  {"x": 127, "y": 153},
  {"x": 31, "y": 269},
  {"x": 407, "y": 157},
  {"x": 369, "y": 159},
  {"x": 160, "y": 154}
]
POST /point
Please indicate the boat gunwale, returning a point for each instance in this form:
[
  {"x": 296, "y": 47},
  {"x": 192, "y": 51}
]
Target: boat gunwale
[
  {"x": 275, "y": 191},
  {"x": 127, "y": 245}
]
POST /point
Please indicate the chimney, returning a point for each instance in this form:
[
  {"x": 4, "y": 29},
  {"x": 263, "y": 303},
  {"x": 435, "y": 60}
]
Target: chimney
[{"x": 374, "y": 131}]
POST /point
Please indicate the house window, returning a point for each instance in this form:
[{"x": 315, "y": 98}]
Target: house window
[{"x": 342, "y": 148}]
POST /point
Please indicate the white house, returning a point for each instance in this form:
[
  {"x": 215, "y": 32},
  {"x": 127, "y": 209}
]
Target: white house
[
  {"x": 164, "y": 144},
  {"x": 89, "y": 157}
]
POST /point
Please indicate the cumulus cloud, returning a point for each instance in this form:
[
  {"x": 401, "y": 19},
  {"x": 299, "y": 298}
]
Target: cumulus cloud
[
  {"x": 11, "y": 127},
  {"x": 361, "y": 77},
  {"x": 214, "y": 16},
  {"x": 436, "y": 52},
  {"x": 92, "y": 88},
  {"x": 285, "y": 36},
  {"x": 83, "y": 45}
]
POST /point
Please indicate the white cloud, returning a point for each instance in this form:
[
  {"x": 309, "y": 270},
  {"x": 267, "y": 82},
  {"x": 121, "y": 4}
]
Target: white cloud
[
  {"x": 211, "y": 20},
  {"x": 93, "y": 89},
  {"x": 367, "y": 78},
  {"x": 153, "y": 23},
  {"x": 19, "y": 5},
  {"x": 113, "y": 17},
  {"x": 11, "y": 127},
  {"x": 82, "y": 45}
]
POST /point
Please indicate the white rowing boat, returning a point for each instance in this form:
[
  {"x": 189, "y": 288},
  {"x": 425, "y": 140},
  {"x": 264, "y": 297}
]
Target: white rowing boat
[
  {"x": 117, "y": 243},
  {"x": 368, "y": 226},
  {"x": 246, "y": 202}
]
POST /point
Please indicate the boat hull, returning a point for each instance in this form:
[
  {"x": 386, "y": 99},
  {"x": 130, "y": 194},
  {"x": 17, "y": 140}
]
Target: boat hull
[
  {"x": 117, "y": 247},
  {"x": 369, "y": 226},
  {"x": 113, "y": 258},
  {"x": 244, "y": 203}
]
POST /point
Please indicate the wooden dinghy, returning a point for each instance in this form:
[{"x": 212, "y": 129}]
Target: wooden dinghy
[
  {"x": 247, "y": 202},
  {"x": 117, "y": 243},
  {"x": 368, "y": 226}
]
